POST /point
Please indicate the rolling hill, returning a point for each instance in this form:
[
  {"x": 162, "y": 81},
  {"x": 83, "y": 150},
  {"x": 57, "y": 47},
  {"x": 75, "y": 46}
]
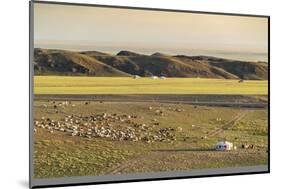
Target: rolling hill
[
  {"x": 59, "y": 62},
  {"x": 126, "y": 63}
]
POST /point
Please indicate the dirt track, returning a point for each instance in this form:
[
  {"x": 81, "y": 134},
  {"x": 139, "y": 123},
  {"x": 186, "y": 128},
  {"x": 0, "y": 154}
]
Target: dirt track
[
  {"x": 241, "y": 101},
  {"x": 159, "y": 154},
  {"x": 229, "y": 124}
]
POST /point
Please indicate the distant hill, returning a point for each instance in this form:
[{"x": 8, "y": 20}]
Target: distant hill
[
  {"x": 126, "y": 63},
  {"x": 59, "y": 62},
  {"x": 127, "y": 53},
  {"x": 158, "y": 54}
]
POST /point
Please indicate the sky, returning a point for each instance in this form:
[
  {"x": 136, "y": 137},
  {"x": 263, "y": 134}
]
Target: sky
[{"x": 111, "y": 29}]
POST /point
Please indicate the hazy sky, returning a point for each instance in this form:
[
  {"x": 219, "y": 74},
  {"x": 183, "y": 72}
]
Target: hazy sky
[{"x": 77, "y": 26}]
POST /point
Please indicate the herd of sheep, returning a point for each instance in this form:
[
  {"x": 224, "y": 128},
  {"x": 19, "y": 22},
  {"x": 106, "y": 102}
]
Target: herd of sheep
[{"x": 112, "y": 126}]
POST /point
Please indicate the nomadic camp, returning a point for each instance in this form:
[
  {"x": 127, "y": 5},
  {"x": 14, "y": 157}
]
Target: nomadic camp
[
  {"x": 154, "y": 77},
  {"x": 224, "y": 146}
]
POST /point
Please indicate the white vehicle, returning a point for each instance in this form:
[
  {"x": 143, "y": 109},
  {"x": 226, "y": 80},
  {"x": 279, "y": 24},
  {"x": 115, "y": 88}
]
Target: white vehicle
[
  {"x": 224, "y": 146},
  {"x": 162, "y": 77},
  {"x": 154, "y": 77}
]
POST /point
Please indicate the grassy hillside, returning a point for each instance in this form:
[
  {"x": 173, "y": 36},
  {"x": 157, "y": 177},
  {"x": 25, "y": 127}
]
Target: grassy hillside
[
  {"x": 93, "y": 63},
  {"x": 58, "y": 62}
]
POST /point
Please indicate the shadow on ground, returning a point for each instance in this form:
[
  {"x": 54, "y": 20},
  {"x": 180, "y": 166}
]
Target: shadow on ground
[{"x": 23, "y": 183}]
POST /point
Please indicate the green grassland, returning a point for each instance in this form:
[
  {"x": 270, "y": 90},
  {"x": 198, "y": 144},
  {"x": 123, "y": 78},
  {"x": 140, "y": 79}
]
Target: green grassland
[
  {"x": 58, "y": 154},
  {"x": 127, "y": 85}
]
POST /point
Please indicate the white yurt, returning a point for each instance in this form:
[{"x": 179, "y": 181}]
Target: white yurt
[{"x": 224, "y": 145}]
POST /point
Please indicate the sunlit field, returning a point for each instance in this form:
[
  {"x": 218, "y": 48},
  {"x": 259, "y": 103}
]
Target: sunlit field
[
  {"x": 127, "y": 85},
  {"x": 144, "y": 135}
]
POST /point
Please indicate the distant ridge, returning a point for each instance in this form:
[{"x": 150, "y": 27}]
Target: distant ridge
[
  {"x": 158, "y": 54},
  {"x": 127, "y": 63},
  {"x": 94, "y": 53},
  {"x": 127, "y": 53}
]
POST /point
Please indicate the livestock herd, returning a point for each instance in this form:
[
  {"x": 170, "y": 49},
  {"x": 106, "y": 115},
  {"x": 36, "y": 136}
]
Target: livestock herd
[{"x": 112, "y": 126}]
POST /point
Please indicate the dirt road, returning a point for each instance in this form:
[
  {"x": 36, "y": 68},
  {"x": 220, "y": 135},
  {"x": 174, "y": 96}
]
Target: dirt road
[
  {"x": 229, "y": 124},
  {"x": 158, "y": 155}
]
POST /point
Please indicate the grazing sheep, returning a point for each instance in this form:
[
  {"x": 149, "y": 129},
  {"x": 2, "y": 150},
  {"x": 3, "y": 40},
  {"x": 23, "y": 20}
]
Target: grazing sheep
[
  {"x": 179, "y": 129},
  {"x": 247, "y": 146},
  {"x": 103, "y": 125},
  {"x": 74, "y": 133},
  {"x": 178, "y": 110}
]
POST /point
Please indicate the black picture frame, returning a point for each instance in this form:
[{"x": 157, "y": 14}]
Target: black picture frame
[{"x": 31, "y": 48}]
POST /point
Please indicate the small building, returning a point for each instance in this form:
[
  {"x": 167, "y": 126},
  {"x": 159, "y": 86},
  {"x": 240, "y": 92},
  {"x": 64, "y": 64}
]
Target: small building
[
  {"x": 224, "y": 146},
  {"x": 154, "y": 77}
]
